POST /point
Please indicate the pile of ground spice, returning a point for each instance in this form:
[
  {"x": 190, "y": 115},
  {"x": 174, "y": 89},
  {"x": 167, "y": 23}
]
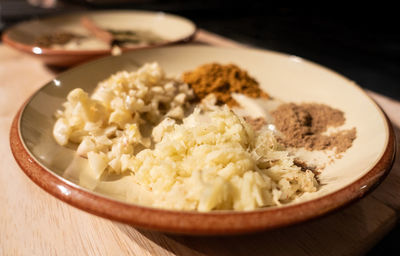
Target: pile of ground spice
[
  {"x": 303, "y": 125},
  {"x": 222, "y": 81}
]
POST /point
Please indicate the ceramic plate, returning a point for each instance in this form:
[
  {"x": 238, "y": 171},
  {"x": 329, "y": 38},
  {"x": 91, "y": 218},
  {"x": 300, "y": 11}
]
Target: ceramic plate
[
  {"x": 171, "y": 28},
  {"x": 288, "y": 78}
]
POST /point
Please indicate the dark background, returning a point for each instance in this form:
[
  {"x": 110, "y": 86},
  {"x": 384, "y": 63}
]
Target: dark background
[{"x": 362, "y": 43}]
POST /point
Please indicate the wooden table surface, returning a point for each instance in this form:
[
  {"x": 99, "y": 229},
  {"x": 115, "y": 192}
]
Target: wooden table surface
[{"x": 35, "y": 223}]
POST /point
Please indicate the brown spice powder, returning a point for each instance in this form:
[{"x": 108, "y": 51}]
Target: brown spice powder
[
  {"x": 222, "y": 81},
  {"x": 303, "y": 125}
]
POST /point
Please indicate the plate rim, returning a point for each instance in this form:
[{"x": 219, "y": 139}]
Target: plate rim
[{"x": 209, "y": 223}]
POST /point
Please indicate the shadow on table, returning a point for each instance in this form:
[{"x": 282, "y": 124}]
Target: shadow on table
[
  {"x": 389, "y": 190},
  {"x": 341, "y": 233},
  {"x": 389, "y": 193},
  {"x": 353, "y": 230}
]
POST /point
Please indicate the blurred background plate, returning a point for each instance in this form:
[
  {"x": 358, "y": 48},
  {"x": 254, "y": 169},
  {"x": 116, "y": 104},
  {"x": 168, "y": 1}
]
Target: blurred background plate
[{"x": 23, "y": 36}]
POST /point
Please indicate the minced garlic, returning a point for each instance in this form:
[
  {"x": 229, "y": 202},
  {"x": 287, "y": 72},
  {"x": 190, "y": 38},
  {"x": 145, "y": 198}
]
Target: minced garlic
[{"x": 108, "y": 123}]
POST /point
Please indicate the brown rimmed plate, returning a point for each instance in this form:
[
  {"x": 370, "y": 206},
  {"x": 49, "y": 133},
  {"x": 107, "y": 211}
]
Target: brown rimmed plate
[
  {"x": 288, "y": 78},
  {"x": 171, "y": 28}
]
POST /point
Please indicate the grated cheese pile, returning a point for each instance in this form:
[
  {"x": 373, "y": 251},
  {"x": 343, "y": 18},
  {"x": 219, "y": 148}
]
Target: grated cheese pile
[
  {"x": 209, "y": 160},
  {"x": 214, "y": 160}
]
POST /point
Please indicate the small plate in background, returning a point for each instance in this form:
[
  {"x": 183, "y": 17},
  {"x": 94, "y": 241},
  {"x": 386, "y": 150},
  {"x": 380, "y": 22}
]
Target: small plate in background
[{"x": 170, "y": 28}]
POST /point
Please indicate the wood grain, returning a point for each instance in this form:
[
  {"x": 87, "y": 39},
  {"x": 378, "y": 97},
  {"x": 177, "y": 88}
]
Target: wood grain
[{"x": 34, "y": 223}]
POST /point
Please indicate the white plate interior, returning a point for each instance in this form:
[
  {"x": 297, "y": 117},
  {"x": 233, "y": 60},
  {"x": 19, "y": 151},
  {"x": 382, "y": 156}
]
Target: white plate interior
[{"x": 288, "y": 78}]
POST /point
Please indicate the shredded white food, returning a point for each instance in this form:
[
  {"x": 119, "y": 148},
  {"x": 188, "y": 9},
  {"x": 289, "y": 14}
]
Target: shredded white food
[{"x": 209, "y": 160}]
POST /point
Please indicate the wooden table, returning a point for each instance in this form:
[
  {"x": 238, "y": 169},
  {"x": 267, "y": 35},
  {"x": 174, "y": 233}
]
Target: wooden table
[{"x": 34, "y": 223}]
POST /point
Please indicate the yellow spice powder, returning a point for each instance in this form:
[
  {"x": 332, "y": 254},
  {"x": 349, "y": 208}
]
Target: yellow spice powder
[{"x": 222, "y": 81}]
